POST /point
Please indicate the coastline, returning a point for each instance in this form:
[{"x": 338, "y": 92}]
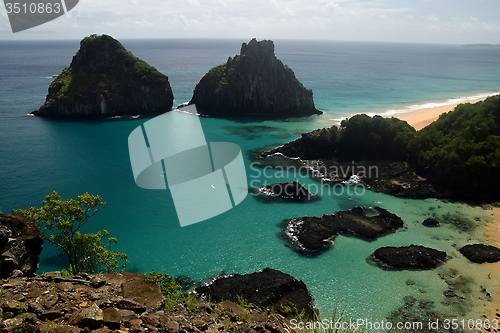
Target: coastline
[
  {"x": 420, "y": 118},
  {"x": 492, "y": 233}
]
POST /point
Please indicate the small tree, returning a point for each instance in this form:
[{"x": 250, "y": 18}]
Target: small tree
[{"x": 60, "y": 222}]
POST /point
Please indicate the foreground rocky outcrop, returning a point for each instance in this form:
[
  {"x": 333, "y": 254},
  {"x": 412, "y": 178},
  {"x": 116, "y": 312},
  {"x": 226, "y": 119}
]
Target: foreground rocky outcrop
[
  {"x": 117, "y": 302},
  {"x": 268, "y": 288},
  {"x": 105, "y": 80},
  {"x": 480, "y": 253},
  {"x": 285, "y": 192},
  {"x": 20, "y": 246},
  {"x": 315, "y": 234},
  {"x": 415, "y": 257},
  {"x": 253, "y": 83}
]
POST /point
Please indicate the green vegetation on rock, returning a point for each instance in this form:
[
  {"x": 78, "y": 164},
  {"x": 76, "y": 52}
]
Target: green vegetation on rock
[
  {"x": 461, "y": 146},
  {"x": 359, "y": 138},
  {"x": 364, "y": 137},
  {"x": 169, "y": 289}
]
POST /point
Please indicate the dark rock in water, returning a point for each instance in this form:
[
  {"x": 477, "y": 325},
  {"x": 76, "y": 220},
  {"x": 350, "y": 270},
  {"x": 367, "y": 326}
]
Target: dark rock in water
[
  {"x": 481, "y": 253},
  {"x": 430, "y": 222},
  {"x": 408, "y": 257},
  {"x": 286, "y": 191},
  {"x": 253, "y": 83},
  {"x": 268, "y": 288},
  {"x": 105, "y": 80},
  {"x": 314, "y": 234},
  {"x": 20, "y": 244}
]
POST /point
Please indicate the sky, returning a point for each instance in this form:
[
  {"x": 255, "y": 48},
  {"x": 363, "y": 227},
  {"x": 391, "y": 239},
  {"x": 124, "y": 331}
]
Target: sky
[{"x": 415, "y": 21}]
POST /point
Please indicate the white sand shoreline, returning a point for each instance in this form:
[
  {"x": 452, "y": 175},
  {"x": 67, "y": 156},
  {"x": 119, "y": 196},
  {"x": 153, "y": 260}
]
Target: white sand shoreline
[{"x": 419, "y": 118}]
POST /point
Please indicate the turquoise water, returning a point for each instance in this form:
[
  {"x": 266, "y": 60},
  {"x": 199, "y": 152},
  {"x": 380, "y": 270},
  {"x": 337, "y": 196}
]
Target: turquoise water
[{"x": 72, "y": 157}]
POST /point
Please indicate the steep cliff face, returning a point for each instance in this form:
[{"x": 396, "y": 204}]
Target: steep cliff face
[
  {"x": 105, "y": 80},
  {"x": 253, "y": 83}
]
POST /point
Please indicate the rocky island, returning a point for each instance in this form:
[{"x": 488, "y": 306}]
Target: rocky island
[
  {"x": 254, "y": 83},
  {"x": 105, "y": 80},
  {"x": 481, "y": 253},
  {"x": 312, "y": 235},
  {"x": 413, "y": 257}
]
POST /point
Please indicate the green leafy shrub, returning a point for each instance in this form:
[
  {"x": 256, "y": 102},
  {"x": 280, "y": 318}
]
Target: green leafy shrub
[
  {"x": 169, "y": 289},
  {"x": 60, "y": 222}
]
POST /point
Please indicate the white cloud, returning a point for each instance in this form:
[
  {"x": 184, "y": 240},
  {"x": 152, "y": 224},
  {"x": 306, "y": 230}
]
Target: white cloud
[
  {"x": 493, "y": 26},
  {"x": 386, "y": 20},
  {"x": 335, "y": 10}
]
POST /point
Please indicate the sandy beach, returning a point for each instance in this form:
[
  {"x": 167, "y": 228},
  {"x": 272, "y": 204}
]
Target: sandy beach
[
  {"x": 423, "y": 117},
  {"x": 492, "y": 232}
]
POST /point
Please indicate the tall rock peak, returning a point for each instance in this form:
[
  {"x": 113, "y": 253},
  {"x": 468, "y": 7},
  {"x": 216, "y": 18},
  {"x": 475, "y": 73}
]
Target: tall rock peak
[
  {"x": 254, "y": 82},
  {"x": 264, "y": 49},
  {"x": 106, "y": 80}
]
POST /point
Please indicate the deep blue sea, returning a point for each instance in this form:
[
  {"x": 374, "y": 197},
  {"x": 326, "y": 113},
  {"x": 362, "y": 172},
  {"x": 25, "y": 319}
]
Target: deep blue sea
[{"x": 39, "y": 155}]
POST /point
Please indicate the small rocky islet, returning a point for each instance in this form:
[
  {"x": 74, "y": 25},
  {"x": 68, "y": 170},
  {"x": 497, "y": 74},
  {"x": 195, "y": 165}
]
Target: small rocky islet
[
  {"x": 413, "y": 257},
  {"x": 313, "y": 235},
  {"x": 280, "y": 192},
  {"x": 481, "y": 253}
]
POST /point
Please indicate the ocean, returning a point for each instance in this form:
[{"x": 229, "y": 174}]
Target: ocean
[{"x": 38, "y": 155}]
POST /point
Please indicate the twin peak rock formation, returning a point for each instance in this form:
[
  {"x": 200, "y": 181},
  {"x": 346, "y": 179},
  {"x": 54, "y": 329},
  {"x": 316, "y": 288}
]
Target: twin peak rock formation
[{"x": 105, "y": 80}]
